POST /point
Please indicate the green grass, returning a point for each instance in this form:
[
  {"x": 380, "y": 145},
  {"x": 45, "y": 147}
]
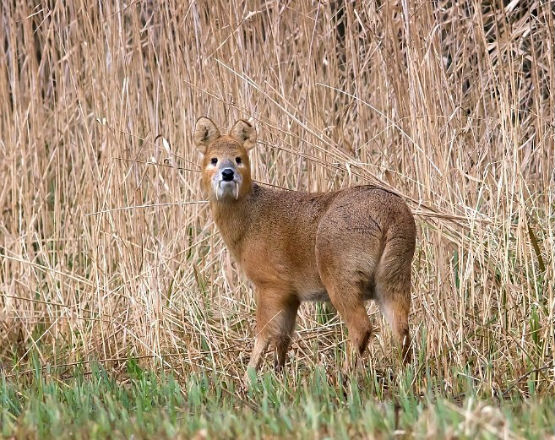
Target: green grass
[{"x": 139, "y": 403}]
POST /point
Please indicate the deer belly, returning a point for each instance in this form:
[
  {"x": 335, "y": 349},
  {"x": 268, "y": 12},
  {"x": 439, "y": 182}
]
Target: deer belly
[{"x": 320, "y": 295}]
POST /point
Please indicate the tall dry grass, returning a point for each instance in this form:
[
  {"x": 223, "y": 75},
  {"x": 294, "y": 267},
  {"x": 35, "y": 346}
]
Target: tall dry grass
[{"x": 108, "y": 252}]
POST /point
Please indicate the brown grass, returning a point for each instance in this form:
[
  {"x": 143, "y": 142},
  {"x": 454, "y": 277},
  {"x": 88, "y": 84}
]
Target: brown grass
[{"x": 107, "y": 250}]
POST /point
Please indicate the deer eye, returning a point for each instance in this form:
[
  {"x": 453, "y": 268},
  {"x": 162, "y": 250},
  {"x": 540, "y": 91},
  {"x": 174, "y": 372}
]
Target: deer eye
[
  {"x": 238, "y": 160},
  {"x": 214, "y": 160}
]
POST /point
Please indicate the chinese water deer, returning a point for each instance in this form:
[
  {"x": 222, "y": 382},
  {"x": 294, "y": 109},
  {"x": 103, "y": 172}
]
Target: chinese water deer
[{"x": 346, "y": 246}]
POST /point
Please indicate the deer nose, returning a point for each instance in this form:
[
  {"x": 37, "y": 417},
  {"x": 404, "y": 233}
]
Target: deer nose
[{"x": 227, "y": 175}]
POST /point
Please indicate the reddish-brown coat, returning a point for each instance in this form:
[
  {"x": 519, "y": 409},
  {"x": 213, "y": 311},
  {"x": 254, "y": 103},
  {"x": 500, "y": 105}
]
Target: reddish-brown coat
[{"x": 344, "y": 246}]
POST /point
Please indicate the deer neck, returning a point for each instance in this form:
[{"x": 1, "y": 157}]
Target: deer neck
[{"x": 233, "y": 220}]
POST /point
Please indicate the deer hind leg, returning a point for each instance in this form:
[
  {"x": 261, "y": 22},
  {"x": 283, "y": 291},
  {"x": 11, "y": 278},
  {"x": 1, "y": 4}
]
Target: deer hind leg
[
  {"x": 395, "y": 309},
  {"x": 393, "y": 283},
  {"x": 276, "y": 312},
  {"x": 347, "y": 297}
]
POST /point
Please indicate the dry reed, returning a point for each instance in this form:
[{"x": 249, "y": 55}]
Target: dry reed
[{"x": 108, "y": 252}]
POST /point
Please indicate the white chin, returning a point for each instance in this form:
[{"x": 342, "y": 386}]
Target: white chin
[{"x": 226, "y": 190}]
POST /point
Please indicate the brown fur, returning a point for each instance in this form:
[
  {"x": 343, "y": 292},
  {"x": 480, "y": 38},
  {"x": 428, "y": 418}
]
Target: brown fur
[{"x": 345, "y": 246}]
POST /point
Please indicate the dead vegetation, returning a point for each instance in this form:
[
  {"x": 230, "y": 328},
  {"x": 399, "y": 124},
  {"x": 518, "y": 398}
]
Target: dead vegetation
[{"x": 108, "y": 252}]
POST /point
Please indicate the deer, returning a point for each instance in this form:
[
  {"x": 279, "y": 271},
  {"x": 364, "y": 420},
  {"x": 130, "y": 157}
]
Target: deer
[{"x": 345, "y": 247}]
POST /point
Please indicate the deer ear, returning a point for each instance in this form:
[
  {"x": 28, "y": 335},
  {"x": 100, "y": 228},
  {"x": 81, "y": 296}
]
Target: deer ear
[
  {"x": 245, "y": 133},
  {"x": 205, "y": 132}
]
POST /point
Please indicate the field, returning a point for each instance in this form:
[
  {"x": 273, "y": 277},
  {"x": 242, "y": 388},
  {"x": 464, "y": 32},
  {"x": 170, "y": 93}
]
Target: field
[{"x": 121, "y": 311}]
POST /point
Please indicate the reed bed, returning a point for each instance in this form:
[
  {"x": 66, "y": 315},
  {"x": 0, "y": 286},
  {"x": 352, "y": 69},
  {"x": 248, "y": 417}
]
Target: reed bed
[{"x": 107, "y": 248}]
